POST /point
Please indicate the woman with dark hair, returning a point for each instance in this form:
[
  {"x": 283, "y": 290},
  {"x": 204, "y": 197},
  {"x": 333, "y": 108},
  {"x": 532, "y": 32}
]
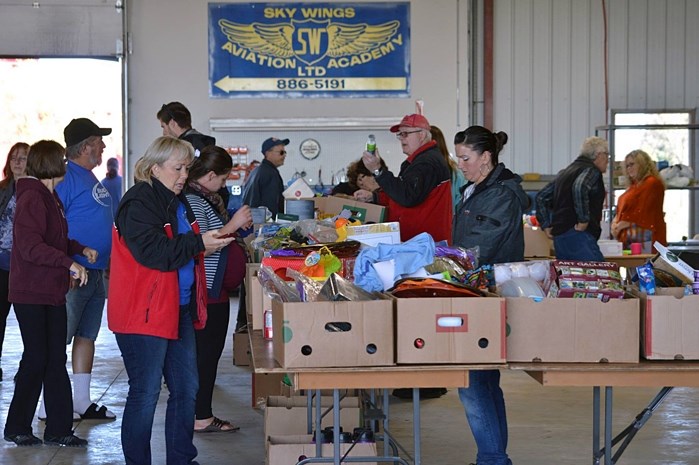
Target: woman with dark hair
[
  {"x": 639, "y": 213},
  {"x": 225, "y": 270},
  {"x": 490, "y": 217},
  {"x": 40, "y": 275},
  {"x": 457, "y": 177},
  {"x": 158, "y": 274},
  {"x": 15, "y": 168}
]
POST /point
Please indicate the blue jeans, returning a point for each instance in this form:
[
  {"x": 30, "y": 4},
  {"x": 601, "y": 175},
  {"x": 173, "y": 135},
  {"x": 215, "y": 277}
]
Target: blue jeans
[
  {"x": 85, "y": 305},
  {"x": 147, "y": 359},
  {"x": 485, "y": 411},
  {"x": 577, "y": 245}
]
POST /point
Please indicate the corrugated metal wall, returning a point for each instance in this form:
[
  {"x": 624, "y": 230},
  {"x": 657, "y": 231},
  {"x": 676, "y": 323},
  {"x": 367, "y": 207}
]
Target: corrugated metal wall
[{"x": 549, "y": 80}]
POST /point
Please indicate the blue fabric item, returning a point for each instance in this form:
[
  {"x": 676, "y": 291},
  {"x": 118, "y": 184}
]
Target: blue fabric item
[
  {"x": 409, "y": 257},
  {"x": 577, "y": 245},
  {"x": 88, "y": 210},
  {"x": 113, "y": 185},
  {"x": 185, "y": 274}
]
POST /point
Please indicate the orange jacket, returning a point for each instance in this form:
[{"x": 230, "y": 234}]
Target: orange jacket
[{"x": 642, "y": 205}]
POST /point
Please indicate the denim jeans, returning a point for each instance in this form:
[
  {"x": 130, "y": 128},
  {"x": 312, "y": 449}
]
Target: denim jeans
[
  {"x": 577, "y": 245},
  {"x": 85, "y": 305},
  {"x": 147, "y": 359},
  {"x": 485, "y": 411}
]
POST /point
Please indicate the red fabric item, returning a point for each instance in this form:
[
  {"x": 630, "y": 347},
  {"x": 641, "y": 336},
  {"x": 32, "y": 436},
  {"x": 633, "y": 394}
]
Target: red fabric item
[
  {"x": 145, "y": 300},
  {"x": 433, "y": 216}
]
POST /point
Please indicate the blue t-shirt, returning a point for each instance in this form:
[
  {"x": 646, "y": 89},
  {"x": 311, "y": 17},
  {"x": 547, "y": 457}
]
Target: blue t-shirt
[
  {"x": 186, "y": 273},
  {"x": 88, "y": 210},
  {"x": 113, "y": 185}
]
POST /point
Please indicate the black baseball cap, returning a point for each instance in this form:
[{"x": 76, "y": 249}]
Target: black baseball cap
[{"x": 80, "y": 129}]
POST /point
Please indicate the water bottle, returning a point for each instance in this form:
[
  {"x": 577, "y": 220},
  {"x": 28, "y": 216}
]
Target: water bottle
[{"x": 371, "y": 144}]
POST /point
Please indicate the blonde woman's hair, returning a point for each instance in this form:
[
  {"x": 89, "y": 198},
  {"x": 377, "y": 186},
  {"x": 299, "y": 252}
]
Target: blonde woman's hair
[
  {"x": 162, "y": 149},
  {"x": 646, "y": 165}
]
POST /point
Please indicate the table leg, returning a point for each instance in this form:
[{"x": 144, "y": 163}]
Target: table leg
[
  {"x": 595, "y": 424},
  {"x": 416, "y": 425},
  {"x": 608, "y": 398}
]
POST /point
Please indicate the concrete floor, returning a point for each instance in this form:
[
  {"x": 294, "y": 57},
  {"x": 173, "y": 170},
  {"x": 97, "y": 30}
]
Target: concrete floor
[{"x": 547, "y": 425}]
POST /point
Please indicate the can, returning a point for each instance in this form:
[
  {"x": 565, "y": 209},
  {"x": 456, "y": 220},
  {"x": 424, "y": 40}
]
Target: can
[{"x": 267, "y": 333}]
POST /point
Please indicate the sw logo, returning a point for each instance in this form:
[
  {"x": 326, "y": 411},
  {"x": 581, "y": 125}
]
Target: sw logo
[{"x": 310, "y": 41}]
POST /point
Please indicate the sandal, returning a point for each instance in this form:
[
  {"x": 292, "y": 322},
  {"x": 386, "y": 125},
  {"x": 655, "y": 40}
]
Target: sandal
[
  {"x": 95, "y": 413},
  {"x": 218, "y": 426}
]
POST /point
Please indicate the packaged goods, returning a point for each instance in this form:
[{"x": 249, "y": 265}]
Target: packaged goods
[{"x": 584, "y": 279}]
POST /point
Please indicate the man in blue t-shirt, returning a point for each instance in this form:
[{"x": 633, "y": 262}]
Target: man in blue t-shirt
[{"x": 88, "y": 210}]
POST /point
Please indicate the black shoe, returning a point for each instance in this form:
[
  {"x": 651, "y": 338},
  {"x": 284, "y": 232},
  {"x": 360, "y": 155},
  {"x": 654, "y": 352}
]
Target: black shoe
[
  {"x": 23, "y": 440},
  {"x": 65, "y": 441}
]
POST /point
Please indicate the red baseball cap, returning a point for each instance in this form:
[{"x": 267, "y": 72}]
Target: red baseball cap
[{"x": 412, "y": 121}]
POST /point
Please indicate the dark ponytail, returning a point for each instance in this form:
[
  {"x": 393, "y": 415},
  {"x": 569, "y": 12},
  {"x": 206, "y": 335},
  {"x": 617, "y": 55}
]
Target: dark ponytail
[{"x": 482, "y": 140}]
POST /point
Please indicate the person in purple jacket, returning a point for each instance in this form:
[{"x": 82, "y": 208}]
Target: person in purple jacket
[{"x": 40, "y": 275}]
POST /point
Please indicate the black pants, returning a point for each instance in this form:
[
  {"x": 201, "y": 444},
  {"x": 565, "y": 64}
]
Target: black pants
[
  {"x": 4, "y": 304},
  {"x": 210, "y": 342},
  {"x": 43, "y": 329}
]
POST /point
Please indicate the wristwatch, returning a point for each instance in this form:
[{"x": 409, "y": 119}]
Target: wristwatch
[{"x": 377, "y": 172}]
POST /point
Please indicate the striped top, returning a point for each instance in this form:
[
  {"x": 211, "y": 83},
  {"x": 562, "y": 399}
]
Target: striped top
[{"x": 208, "y": 219}]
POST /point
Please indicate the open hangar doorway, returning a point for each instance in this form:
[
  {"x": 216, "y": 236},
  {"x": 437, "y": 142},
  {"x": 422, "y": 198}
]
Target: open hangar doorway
[{"x": 59, "y": 61}]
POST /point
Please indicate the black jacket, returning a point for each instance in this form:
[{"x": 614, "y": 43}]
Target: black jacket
[
  {"x": 491, "y": 218},
  {"x": 142, "y": 212},
  {"x": 197, "y": 139},
  {"x": 265, "y": 188}
]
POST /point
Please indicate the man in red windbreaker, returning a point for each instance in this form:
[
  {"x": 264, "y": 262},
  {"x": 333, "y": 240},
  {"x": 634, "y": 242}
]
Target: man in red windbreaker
[{"x": 419, "y": 198}]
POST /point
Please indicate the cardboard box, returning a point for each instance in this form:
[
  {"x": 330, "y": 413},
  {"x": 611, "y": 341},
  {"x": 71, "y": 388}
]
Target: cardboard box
[
  {"x": 450, "y": 330},
  {"x": 333, "y": 334},
  {"x": 289, "y": 415},
  {"x": 256, "y": 300},
  {"x": 572, "y": 330},
  {"x": 536, "y": 243},
  {"x": 241, "y": 349},
  {"x": 286, "y": 450},
  {"x": 670, "y": 325},
  {"x": 265, "y": 385},
  {"x": 365, "y": 212},
  {"x": 375, "y": 234},
  {"x": 668, "y": 261}
]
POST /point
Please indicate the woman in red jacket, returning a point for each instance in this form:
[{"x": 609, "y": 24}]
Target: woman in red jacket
[
  {"x": 639, "y": 214},
  {"x": 157, "y": 276},
  {"x": 40, "y": 271}
]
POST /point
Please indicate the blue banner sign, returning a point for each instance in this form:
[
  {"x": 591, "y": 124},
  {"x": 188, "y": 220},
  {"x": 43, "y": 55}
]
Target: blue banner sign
[{"x": 296, "y": 50}]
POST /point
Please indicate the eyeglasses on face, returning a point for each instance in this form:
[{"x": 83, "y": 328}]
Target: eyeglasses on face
[
  {"x": 403, "y": 134},
  {"x": 18, "y": 159},
  {"x": 282, "y": 152}
]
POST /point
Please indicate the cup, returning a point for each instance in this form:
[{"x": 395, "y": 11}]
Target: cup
[
  {"x": 259, "y": 215},
  {"x": 636, "y": 248}
]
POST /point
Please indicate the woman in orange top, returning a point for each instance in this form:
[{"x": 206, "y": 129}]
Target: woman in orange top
[{"x": 639, "y": 214}]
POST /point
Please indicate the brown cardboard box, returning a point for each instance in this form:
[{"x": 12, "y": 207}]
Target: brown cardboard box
[
  {"x": 572, "y": 330},
  {"x": 306, "y": 333},
  {"x": 286, "y": 450},
  {"x": 670, "y": 325},
  {"x": 265, "y": 385},
  {"x": 424, "y": 331},
  {"x": 536, "y": 243},
  {"x": 289, "y": 415},
  {"x": 241, "y": 349},
  {"x": 365, "y": 212},
  {"x": 256, "y": 301}
]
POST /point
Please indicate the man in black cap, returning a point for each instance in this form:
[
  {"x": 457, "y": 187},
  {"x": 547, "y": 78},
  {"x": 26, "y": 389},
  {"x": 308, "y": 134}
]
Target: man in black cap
[
  {"x": 265, "y": 187},
  {"x": 176, "y": 121},
  {"x": 88, "y": 210}
]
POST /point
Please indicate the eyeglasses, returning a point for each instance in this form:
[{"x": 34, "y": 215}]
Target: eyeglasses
[
  {"x": 281, "y": 152},
  {"x": 18, "y": 159},
  {"x": 167, "y": 110},
  {"x": 404, "y": 134}
]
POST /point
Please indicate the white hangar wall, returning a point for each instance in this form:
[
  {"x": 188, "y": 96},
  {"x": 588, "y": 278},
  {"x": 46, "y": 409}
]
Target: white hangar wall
[{"x": 549, "y": 91}]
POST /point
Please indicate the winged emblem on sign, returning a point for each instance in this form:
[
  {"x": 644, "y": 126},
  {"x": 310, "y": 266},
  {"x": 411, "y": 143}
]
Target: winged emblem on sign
[{"x": 309, "y": 40}]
